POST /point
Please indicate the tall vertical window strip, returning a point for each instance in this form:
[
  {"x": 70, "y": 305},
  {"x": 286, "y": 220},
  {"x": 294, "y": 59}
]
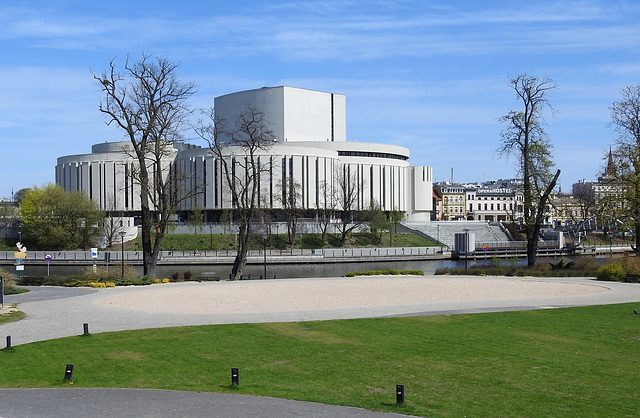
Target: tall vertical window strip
[
  {"x": 103, "y": 185},
  {"x": 258, "y": 180},
  {"x": 384, "y": 187},
  {"x": 303, "y": 162},
  {"x": 91, "y": 181},
  {"x": 115, "y": 190},
  {"x": 233, "y": 180},
  {"x": 133, "y": 201},
  {"x": 371, "y": 183},
  {"x": 204, "y": 183},
  {"x": 291, "y": 189},
  {"x": 284, "y": 180},
  {"x": 271, "y": 181},
  {"x": 317, "y": 183},
  {"x": 215, "y": 182},
  {"x": 305, "y": 189},
  {"x": 126, "y": 186},
  {"x": 332, "y": 120}
]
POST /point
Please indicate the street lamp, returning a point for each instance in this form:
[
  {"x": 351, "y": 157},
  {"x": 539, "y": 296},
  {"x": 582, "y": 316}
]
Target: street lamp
[
  {"x": 211, "y": 234},
  {"x": 122, "y": 234},
  {"x": 264, "y": 254}
]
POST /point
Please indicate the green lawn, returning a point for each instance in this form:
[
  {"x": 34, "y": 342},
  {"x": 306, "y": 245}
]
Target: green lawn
[
  {"x": 564, "y": 362},
  {"x": 201, "y": 242},
  {"x": 11, "y": 316}
]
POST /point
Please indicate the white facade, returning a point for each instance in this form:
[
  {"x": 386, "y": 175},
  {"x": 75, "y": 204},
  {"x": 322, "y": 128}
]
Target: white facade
[
  {"x": 293, "y": 114},
  {"x": 310, "y": 148}
]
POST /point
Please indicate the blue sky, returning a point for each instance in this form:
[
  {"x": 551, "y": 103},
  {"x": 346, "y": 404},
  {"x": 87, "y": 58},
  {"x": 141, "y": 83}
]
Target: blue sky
[{"x": 432, "y": 76}]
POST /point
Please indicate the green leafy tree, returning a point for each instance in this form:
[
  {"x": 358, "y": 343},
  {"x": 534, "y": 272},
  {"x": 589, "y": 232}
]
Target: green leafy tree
[
  {"x": 19, "y": 195},
  {"x": 378, "y": 222},
  {"x": 196, "y": 217},
  {"x": 395, "y": 218},
  {"x": 622, "y": 176},
  {"x": 57, "y": 220},
  {"x": 525, "y": 138}
]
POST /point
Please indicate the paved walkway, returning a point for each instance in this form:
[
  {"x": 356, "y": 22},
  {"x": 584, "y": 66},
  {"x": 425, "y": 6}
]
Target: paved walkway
[{"x": 60, "y": 312}]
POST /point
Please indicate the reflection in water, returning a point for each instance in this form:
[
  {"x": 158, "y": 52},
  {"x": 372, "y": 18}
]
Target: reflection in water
[{"x": 286, "y": 270}]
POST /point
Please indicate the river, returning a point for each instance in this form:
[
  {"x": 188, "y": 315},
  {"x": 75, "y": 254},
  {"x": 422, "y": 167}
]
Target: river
[{"x": 288, "y": 270}]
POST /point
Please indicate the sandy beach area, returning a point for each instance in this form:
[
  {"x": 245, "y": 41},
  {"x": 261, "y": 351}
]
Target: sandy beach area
[
  {"x": 335, "y": 293},
  {"x": 59, "y": 312}
]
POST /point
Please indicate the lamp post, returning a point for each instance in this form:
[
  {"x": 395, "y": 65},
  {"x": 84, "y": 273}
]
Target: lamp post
[
  {"x": 264, "y": 254},
  {"x": 122, "y": 234},
  {"x": 211, "y": 234}
]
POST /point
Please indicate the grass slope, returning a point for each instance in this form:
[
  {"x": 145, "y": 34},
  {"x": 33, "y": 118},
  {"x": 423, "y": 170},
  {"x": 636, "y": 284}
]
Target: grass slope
[{"x": 564, "y": 362}]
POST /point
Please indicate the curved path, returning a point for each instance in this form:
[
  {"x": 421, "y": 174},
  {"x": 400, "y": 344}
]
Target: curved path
[{"x": 60, "y": 312}]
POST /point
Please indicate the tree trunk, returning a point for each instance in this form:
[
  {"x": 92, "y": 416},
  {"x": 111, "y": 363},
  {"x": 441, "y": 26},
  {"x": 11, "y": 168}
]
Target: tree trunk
[
  {"x": 240, "y": 261},
  {"x": 147, "y": 253},
  {"x": 533, "y": 230},
  {"x": 532, "y": 246}
]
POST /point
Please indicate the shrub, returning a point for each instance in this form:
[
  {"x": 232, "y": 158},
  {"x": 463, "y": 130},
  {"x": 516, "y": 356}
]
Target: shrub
[
  {"x": 631, "y": 265},
  {"x": 187, "y": 275},
  {"x": 113, "y": 274},
  {"x": 311, "y": 241},
  {"x": 611, "y": 272},
  {"x": 165, "y": 280},
  {"x": 97, "y": 285},
  {"x": 9, "y": 279},
  {"x": 175, "y": 276},
  {"x": 561, "y": 265},
  {"x": 384, "y": 273},
  {"x": 586, "y": 264}
]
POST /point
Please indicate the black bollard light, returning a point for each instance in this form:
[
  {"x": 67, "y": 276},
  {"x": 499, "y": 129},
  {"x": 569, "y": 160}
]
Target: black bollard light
[
  {"x": 68, "y": 372},
  {"x": 399, "y": 394},
  {"x": 235, "y": 378},
  {"x": 86, "y": 329},
  {"x": 8, "y": 341}
]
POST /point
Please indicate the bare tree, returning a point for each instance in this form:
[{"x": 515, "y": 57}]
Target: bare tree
[
  {"x": 149, "y": 103},
  {"x": 526, "y": 138},
  {"x": 326, "y": 211},
  {"x": 112, "y": 224},
  {"x": 623, "y": 176},
  {"x": 290, "y": 197},
  {"x": 241, "y": 152},
  {"x": 585, "y": 195},
  {"x": 347, "y": 190}
]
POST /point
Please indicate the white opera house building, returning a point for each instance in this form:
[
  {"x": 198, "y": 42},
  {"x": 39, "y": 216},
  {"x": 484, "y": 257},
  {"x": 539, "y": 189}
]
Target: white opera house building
[{"x": 309, "y": 148}]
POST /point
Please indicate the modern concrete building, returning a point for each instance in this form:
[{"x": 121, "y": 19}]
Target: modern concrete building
[{"x": 310, "y": 147}]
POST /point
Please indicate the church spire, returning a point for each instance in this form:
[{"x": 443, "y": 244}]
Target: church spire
[{"x": 611, "y": 168}]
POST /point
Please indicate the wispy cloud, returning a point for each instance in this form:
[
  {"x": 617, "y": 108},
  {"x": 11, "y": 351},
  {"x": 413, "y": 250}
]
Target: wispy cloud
[{"x": 317, "y": 32}]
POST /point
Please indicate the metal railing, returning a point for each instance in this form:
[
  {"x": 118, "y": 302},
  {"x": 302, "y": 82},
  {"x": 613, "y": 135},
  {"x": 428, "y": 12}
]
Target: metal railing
[{"x": 136, "y": 256}]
